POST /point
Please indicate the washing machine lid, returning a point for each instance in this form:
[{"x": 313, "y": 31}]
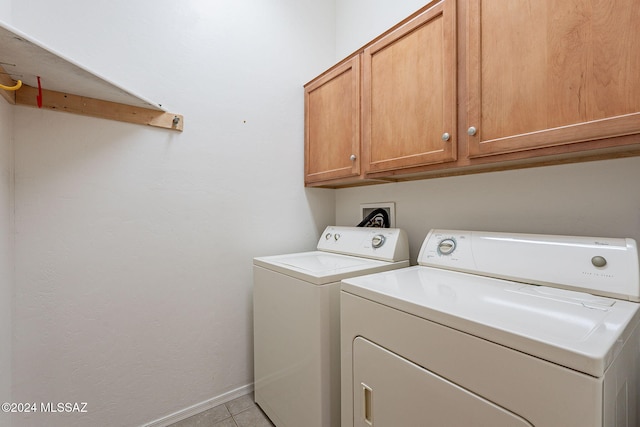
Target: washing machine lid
[
  {"x": 321, "y": 267},
  {"x": 573, "y": 329}
]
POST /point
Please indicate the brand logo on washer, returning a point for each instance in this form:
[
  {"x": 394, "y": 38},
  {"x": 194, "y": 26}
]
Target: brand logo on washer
[{"x": 596, "y": 274}]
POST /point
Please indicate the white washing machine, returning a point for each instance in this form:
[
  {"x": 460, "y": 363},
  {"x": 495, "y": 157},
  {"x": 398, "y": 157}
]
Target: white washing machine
[
  {"x": 495, "y": 329},
  {"x": 296, "y": 321}
]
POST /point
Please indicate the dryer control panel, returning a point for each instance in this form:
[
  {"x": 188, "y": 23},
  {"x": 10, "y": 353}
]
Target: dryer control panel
[
  {"x": 386, "y": 244},
  {"x": 601, "y": 266}
]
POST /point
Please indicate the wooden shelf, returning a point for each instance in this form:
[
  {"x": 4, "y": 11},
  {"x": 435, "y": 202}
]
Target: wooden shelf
[{"x": 69, "y": 87}]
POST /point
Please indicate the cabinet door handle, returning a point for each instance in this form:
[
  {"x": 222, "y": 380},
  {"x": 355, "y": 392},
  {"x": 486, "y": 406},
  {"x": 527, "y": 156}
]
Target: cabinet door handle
[
  {"x": 366, "y": 404},
  {"x": 446, "y": 136},
  {"x": 472, "y": 131},
  {"x": 353, "y": 157}
]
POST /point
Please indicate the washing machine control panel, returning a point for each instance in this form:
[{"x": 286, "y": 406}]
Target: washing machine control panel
[
  {"x": 448, "y": 249},
  {"x": 387, "y": 244},
  {"x": 601, "y": 266}
]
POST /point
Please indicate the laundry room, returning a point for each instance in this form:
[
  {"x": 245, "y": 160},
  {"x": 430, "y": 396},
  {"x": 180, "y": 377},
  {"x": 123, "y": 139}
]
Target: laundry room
[{"x": 126, "y": 250}]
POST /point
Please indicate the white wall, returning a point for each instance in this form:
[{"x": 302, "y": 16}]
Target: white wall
[
  {"x": 360, "y": 21},
  {"x": 5, "y": 11},
  {"x": 594, "y": 199},
  {"x": 134, "y": 245},
  {"x": 6, "y": 252},
  {"x": 6, "y": 239}
]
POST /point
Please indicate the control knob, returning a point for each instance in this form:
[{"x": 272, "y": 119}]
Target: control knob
[
  {"x": 377, "y": 241},
  {"x": 446, "y": 246}
]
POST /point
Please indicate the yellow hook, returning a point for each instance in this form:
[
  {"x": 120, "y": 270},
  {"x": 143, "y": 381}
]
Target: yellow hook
[{"x": 16, "y": 87}]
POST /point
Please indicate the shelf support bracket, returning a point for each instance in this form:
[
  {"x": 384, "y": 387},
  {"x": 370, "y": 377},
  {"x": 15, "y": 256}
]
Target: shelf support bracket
[{"x": 69, "y": 103}]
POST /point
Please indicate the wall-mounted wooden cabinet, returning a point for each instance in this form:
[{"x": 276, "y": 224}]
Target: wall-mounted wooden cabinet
[
  {"x": 549, "y": 73},
  {"x": 332, "y": 125},
  {"x": 397, "y": 110},
  {"x": 409, "y": 93},
  {"x": 465, "y": 86}
]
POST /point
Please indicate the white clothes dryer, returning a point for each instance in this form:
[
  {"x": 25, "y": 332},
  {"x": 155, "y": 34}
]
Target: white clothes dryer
[
  {"x": 496, "y": 329},
  {"x": 296, "y": 319}
]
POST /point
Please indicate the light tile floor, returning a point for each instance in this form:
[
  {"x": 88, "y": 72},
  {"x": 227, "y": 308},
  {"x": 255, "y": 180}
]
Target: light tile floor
[{"x": 240, "y": 412}]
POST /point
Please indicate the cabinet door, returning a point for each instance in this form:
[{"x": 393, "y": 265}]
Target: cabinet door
[
  {"x": 544, "y": 73},
  {"x": 392, "y": 391},
  {"x": 332, "y": 124},
  {"x": 409, "y": 93}
]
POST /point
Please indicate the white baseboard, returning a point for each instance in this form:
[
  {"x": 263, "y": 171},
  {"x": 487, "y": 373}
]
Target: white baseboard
[{"x": 200, "y": 407}]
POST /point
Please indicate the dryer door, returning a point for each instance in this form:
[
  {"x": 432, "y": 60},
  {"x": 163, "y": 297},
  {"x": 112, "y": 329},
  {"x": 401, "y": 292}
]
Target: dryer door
[{"x": 392, "y": 391}]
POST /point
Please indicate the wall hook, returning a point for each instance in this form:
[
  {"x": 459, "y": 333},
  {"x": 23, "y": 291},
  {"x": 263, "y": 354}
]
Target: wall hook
[
  {"x": 17, "y": 86},
  {"x": 39, "y": 97}
]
